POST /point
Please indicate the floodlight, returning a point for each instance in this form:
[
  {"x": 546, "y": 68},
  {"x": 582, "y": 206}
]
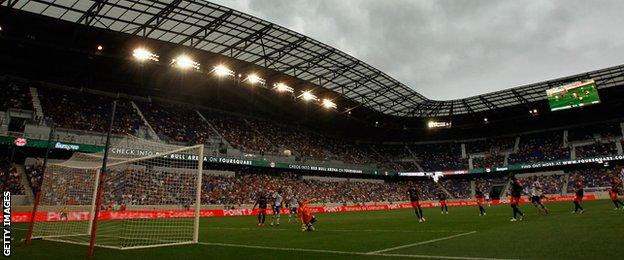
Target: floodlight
[
  {"x": 255, "y": 79},
  {"x": 307, "y": 96},
  {"x": 222, "y": 71},
  {"x": 328, "y": 104},
  {"x": 281, "y": 87},
  {"x": 142, "y": 54},
  {"x": 185, "y": 62},
  {"x": 100, "y": 47}
]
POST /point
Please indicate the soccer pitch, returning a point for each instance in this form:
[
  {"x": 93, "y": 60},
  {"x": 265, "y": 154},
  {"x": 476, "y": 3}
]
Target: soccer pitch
[
  {"x": 585, "y": 95},
  {"x": 462, "y": 234}
]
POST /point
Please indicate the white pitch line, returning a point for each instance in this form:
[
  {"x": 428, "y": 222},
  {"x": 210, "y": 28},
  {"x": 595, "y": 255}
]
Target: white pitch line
[
  {"x": 345, "y": 252},
  {"x": 342, "y": 230},
  {"x": 420, "y": 243}
]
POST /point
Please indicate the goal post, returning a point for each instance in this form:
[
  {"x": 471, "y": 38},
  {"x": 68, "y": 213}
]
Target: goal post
[{"x": 150, "y": 196}]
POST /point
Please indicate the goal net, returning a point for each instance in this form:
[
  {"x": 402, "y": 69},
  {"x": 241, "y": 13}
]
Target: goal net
[{"x": 149, "y": 196}]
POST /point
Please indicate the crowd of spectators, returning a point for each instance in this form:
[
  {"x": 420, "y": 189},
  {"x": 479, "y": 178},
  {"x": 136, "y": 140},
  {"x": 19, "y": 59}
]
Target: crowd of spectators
[
  {"x": 590, "y": 132},
  {"x": 175, "y": 123},
  {"x": 244, "y": 188},
  {"x": 88, "y": 112},
  {"x": 540, "y": 147},
  {"x": 592, "y": 178},
  {"x": 35, "y": 176},
  {"x": 440, "y": 157},
  {"x": 596, "y": 149},
  {"x": 485, "y": 184},
  {"x": 458, "y": 187},
  {"x": 488, "y": 161},
  {"x": 9, "y": 177},
  {"x": 14, "y": 96}
]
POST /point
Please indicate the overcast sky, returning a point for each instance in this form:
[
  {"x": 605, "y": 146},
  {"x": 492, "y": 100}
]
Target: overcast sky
[{"x": 456, "y": 49}]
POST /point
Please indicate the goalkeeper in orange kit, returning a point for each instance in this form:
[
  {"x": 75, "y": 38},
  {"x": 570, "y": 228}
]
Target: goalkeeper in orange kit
[{"x": 305, "y": 216}]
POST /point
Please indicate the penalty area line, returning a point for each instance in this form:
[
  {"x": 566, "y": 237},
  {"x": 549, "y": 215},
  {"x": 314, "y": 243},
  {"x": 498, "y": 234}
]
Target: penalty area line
[
  {"x": 420, "y": 243},
  {"x": 343, "y": 252}
]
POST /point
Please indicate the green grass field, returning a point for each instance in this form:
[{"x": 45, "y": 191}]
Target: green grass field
[{"x": 462, "y": 234}]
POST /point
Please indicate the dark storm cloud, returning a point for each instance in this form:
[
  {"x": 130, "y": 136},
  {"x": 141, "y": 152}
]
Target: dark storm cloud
[{"x": 455, "y": 49}]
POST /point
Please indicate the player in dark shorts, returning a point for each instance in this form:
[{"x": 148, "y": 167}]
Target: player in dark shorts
[
  {"x": 480, "y": 198},
  {"x": 516, "y": 193},
  {"x": 412, "y": 192},
  {"x": 578, "y": 198},
  {"x": 536, "y": 197},
  {"x": 442, "y": 198},
  {"x": 614, "y": 192},
  {"x": 261, "y": 202}
]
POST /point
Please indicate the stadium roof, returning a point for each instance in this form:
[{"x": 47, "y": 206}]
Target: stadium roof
[{"x": 218, "y": 29}]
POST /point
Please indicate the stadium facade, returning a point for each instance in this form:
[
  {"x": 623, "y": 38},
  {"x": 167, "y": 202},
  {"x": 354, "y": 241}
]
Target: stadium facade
[{"x": 65, "y": 61}]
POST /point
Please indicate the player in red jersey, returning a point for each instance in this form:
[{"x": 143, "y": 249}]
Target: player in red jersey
[
  {"x": 442, "y": 198},
  {"x": 414, "y": 196},
  {"x": 480, "y": 198},
  {"x": 614, "y": 191},
  {"x": 578, "y": 198},
  {"x": 305, "y": 216},
  {"x": 516, "y": 192},
  {"x": 261, "y": 202}
]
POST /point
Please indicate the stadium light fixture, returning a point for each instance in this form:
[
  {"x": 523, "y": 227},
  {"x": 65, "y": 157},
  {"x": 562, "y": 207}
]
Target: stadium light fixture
[
  {"x": 253, "y": 79},
  {"x": 142, "y": 54},
  {"x": 222, "y": 71},
  {"x": 185, "y": 62},
  {"x": 328, "y": 104},
  {"x": 281, "y": 87},
  {"x": 307, "y": 96}
]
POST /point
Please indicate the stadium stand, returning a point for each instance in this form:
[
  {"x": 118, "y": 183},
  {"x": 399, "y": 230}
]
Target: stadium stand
[
  {"x": 594, "y": 179},
  {"x": 14, "y": 96},
  {"x": 540, "y": 147},
  {"x": 9, "y": 177},
  {"x": 438, "y": 157},
  {"x": 596, "y": 149},
  {"x": 458, "y": 187},
  {"x": 87, "y": 112},
  {"x": 175, "y": 123}
]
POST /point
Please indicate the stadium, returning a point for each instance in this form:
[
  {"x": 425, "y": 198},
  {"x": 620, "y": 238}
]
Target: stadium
[{"x": 186, "y": 129}]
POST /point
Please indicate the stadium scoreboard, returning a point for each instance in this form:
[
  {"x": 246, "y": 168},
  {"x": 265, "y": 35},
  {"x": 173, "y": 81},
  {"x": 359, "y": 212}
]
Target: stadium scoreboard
[{"x": 575, "y": 94}]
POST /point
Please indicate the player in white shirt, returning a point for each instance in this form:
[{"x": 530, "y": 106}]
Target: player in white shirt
[
  {"x": 536, "y": 197},
  {"x": 277, "y": 206},
  {"x": 292, "y": 206}
]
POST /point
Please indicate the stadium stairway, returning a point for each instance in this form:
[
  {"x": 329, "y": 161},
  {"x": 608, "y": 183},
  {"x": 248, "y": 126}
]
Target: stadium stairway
[
  {"x": 25, "y": 183},
  {"x": 36, "y": 103},
  {"x": 215, "y": 133},
  {"x": 415, "y": 159},
  {"x": 150, "y": 131},
  {"x": 448, "y": 194}
]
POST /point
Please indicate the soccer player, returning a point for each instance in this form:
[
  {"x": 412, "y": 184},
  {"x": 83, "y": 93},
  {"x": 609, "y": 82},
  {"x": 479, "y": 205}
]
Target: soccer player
[
  {"x": 580, "y": 192},
  {"x": 261, "y": 202},
  {"x": 479, "y": 196},
  {"x": 292, "y": 206},
  {"x": 536, "y": 197},
  {"x": 277, "y": 206},
  {"x": 305, "y": 216},
  {"x": 442, "y": 198},
  {"x": 516, "y": 192},
  {"x": 414, "y": 197},
  {"x": 614, "y": 191}
]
